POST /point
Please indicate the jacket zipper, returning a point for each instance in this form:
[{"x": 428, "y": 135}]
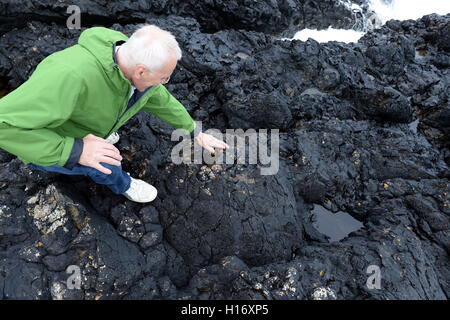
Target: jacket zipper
[
  {"x": 119, "y": 116},
  {"x": 127, "y": 109}
]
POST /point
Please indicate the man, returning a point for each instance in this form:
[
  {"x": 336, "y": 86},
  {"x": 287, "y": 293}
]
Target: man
[{"x": 64, "y": 118}]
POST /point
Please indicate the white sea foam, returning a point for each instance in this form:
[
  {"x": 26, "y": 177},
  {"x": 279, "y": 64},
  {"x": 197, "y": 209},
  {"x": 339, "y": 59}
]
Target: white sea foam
[
  {"x": 384, "y": 10},
  {"x": 408, "y": 9},
  {"x": 329, "y": 34}
]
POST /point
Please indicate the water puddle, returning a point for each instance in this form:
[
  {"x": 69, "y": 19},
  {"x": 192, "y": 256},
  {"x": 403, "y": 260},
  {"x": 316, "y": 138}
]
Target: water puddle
[{"x": 336, "y": 226}]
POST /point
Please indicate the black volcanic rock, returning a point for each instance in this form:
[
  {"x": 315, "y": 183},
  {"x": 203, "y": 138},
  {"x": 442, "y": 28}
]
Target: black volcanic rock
[
  {"x": 363, "y": 129},
  {"x": 211, "y": 213},
  {"x": 269, "y": 16}
]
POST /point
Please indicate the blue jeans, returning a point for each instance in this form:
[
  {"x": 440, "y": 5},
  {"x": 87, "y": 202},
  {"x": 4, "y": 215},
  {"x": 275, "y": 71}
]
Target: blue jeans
[{"x": 118, "y": 181}]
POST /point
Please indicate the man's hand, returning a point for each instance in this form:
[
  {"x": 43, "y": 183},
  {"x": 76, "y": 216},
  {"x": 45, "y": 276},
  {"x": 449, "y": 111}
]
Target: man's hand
[
  {"x": 208, "y": 142},
  {"x": 96, "y": 150}
]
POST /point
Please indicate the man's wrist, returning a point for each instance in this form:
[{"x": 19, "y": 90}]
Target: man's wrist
[
  {"x": 196, "y": 132},
  {"x": 75, "y": 154}
]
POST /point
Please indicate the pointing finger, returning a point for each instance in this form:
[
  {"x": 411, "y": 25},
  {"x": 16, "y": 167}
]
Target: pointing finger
[{"x": 211, "y": 150}]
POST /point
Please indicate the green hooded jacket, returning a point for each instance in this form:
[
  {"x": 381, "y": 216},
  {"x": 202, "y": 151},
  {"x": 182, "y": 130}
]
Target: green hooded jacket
[{"x": 74, "y": 92}]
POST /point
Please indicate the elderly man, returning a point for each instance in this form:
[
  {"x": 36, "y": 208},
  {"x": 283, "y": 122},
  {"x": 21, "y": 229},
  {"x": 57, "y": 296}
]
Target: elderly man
[{"x": 64, "y": 118}]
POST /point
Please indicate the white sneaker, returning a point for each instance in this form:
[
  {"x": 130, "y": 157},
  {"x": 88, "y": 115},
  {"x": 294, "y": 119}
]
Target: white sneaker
[
  {"x": 140, "y": 191},
  {"x": 113, "y": 138}
]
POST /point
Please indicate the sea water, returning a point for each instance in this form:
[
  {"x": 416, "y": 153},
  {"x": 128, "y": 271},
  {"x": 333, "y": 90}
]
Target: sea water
[
  {"x": 380, "y": 11},
  {"x": 336, "y": 226}
]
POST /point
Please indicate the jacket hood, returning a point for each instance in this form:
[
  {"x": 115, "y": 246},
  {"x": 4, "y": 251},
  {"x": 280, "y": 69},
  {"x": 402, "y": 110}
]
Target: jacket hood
[{"x": 99, "y": 42}]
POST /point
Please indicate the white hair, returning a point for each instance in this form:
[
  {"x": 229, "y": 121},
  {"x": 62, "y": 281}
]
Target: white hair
[{"x": 150, "y": 46}]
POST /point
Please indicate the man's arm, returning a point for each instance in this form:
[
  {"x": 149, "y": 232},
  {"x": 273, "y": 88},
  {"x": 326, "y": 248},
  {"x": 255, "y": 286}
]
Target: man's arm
[
  {"x": 27, "y": 115},
  {"x": 166, "y": 107}
]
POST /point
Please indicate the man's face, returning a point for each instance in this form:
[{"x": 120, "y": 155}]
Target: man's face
[{"x": 142, "y": 78}]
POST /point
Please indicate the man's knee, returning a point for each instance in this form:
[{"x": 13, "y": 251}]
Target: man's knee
[
  {"x": 112, "y": 167},
  {"x": 115, "y": 170}
]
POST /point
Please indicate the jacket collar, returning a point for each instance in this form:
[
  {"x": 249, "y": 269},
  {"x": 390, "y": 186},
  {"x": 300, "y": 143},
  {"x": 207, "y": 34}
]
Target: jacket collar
[
  {"x": 116, "y": 65},
  {"x": 115, "y": 45},
  {"x": 100, "y": 42}
]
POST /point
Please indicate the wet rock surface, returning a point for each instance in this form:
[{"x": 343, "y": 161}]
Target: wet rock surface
[
  {"x": 281, "y": 16},
  {"x": 221, "y": 231}
]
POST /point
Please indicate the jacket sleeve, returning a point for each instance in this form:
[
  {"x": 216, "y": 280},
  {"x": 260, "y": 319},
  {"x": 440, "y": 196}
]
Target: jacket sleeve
[
  {"x": 29, "y": 115},
  {"x": 166, "y": 107},
  {"x": 75, "y": 154}
]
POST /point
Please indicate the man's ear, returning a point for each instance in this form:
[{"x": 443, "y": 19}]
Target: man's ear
[{"x": 140, "y": 70}]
